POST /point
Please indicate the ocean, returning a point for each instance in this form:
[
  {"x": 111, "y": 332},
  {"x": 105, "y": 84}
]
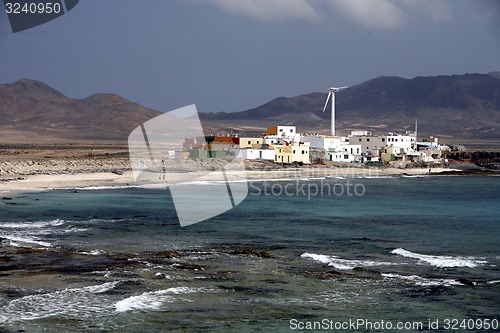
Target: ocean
[{"x": 414, "y": 253}]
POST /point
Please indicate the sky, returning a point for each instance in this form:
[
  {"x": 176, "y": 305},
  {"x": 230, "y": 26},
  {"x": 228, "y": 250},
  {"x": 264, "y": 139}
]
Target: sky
[{"x": 233, "y": 55}]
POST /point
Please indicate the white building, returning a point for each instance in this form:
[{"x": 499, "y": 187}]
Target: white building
[
  {"x": 339, "y": 156},
  {"x": 431, "y": 143},
  {"x": 287, "y": 133},
  {"x": 405, "y": 142},
  {"x": 253, "y": 154},
  {"x": 326, "y": 142},
  {"x": 337, "y": 148},
  {"x": 375, "y": 144}
]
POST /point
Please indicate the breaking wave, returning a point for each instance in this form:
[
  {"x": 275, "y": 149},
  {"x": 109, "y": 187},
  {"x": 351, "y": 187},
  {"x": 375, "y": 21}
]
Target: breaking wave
[
  {"x": 151, "y": 300},
  {"x": 85, "y": 302},
  {"x": 441, "y": 261},
  {"x": 421, "y": 281},
  {"x": 344, "y": 264}
]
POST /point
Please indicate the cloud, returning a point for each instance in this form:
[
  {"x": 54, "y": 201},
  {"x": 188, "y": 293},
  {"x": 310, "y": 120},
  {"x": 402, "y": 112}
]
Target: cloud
[
  {"x": 270, "y": 9},
  {"x": 376, "y": 14}
]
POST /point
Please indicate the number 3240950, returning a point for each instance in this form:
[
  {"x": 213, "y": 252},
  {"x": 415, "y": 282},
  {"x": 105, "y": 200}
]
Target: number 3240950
[{"x": 32, "y": 8}]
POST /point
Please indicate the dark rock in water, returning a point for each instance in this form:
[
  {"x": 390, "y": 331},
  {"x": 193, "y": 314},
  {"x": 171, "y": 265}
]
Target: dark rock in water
[
  {"x": 6, "y": 198},
  {"x": 466, "y": 282},
  {"x": 29, "y": 250},
  {"x": 5, "y": 258},
  {"x": 191, "y": 267},
  {"x": 251, "y": 290},
  {"x": 252, "y": 252},
  {"x": 429, "y": 291},
  {"x": 367, "y": 273},
  {"x": 331, "y": 275},
  {"x": 167, "y": 254},
  {"x": 265, "y": 254}
]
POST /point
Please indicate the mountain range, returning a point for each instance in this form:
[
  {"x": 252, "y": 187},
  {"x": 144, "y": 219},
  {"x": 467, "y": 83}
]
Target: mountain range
[
  {"x": 456, "y": 107},
  {"x": 31, "y": 110}
]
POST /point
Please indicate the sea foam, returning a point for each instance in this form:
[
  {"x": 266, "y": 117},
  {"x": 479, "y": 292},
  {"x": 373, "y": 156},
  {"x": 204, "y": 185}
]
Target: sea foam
[
  {"x": 441, "y": 261},
  {"x": 151, "y": 300},
  {"x": 344, "y": 264},
  {"x": 421, "y": 281},
  {"x": 76, "y": 303}
]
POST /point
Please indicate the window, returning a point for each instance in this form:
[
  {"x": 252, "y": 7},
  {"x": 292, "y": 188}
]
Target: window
[
  {"x": 250, "y": 142},
  {"x": 303, "y": 152},
  {"x": 346, "y": 157},
  {"x": 281, "y": 130},
  {"x": 396, "y": 140},
  {"x": 294, "y": 151},
  {"x": 291, "y": 130},
  {"x": 359, "y": 139},
  {"x": 367, "y": 139},
  {"x": 383, "y": 139}
]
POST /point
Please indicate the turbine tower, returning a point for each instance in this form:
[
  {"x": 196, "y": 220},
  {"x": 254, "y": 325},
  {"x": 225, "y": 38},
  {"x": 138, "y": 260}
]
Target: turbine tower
[{"x": 331, "y": 93}]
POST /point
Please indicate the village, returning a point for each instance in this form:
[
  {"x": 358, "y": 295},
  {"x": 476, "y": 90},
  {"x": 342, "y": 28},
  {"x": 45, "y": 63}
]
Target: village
[{"x": 284, "y": 145}]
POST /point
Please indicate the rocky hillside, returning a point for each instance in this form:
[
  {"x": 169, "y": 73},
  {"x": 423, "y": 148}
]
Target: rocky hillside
[
  {"x": 459, "y": 106},
  {"x": 30, "y": 109}
]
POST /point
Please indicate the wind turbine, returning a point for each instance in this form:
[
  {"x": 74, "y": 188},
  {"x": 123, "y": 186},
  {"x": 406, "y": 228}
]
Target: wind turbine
[{"x": 331, "y": 93}]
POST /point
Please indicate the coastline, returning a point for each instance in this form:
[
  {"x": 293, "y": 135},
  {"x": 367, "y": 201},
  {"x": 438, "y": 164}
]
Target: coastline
[{"x": 43, "y": 178}]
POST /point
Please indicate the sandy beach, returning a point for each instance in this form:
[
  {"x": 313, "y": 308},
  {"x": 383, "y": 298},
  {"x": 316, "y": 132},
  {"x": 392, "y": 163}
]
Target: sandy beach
[{"x": 21, "y": 175}]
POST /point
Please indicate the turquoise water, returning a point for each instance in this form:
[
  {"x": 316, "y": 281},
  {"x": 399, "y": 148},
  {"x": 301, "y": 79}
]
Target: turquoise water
[{"x": 407, "y": 250}]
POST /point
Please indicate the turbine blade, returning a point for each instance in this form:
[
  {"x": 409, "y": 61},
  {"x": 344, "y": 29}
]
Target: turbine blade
[{"x": 327, "y": 99}]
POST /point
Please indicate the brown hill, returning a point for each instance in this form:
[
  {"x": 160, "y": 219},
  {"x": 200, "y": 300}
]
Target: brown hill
[
  {"x": 30, "y": 111},
  {"x": 458, "y": 107}
]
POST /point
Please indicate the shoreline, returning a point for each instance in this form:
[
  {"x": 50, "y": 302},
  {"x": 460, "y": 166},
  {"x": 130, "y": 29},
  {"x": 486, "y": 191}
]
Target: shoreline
[{"x": 83, "y": 180}]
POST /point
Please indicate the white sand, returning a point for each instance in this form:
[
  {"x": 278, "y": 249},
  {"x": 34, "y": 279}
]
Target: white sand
[{"x": 90, "y": 179}]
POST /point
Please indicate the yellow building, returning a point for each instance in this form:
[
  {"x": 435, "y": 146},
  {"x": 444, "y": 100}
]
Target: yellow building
[
  {"x": 291, "y": 153},
  {"x": 251, "y": 143}
]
